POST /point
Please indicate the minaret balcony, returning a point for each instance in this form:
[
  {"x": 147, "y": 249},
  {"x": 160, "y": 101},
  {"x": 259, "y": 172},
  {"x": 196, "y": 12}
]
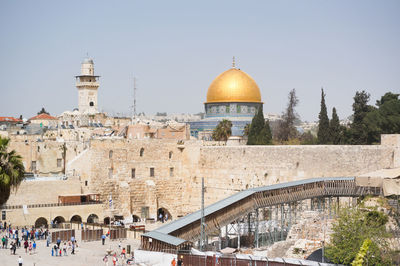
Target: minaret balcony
[{"x": 87, "y": 84}]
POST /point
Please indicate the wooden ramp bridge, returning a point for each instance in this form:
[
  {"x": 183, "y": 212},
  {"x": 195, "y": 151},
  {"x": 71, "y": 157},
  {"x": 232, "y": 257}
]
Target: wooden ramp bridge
[{"x": 181, "y": 234}]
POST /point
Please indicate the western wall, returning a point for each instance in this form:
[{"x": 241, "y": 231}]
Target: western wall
[{"x": 145, "y": 175}]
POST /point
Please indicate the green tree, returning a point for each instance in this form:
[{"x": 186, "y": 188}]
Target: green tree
[
  {"x": 11, "y": 170},
  {"x": 307, "y": 138},
  {"x": 370, "y": 122},
  {"x": 351, "y": 229},
  {"x": 359, "y": 260},
  {"x": 43, "y": 111},
  {"x": 286, "y": 129},
  {"x": 260, "y": 131},
  {"x": 335, "y": 129},
  {"x": 323, "y": 123},
  {"x": 223, "y": 131},
  {"x": 358, "y": 128}
]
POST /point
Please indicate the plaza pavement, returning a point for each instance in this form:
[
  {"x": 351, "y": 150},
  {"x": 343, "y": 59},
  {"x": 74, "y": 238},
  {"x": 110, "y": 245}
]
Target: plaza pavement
[{"x": 87, "y": 253}]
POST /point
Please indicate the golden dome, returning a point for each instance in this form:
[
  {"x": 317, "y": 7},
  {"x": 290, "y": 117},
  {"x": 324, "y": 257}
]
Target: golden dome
[{"x": 233, "y": 85}]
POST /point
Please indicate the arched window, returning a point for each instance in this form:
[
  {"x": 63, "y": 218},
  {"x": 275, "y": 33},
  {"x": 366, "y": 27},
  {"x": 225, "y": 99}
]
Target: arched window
[
  {"x": 141, "y": 152},
  {"x": 110, "y": 154},
  {"x": 170, "y": 155},
  {"x": 91, "y": 103}
]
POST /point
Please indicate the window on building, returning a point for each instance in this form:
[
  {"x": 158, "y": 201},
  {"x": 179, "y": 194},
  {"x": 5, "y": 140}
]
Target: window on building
[
  {"x": 33, "y": 166},
  {"x": 171, "y": 171},
  {"x": 38, "y": 148},
  {"x": 152, "y": 172},
  {"x": 133, "y": 172},
  {"x": 3, "y": 215},
  {"x": 170, "y": 155},
  {"x": 110, "y": 173},
  {"x": 110, "y": 154},
  {"x": 141, "y": 152},
  {"x": 91, "y": 104},
  {"x": 59, "y": 162},
  {"x": 86, "y": 183}
]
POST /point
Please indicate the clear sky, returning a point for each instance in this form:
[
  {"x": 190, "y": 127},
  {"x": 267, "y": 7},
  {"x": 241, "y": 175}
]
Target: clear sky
[{"x": 176, "y": 48}]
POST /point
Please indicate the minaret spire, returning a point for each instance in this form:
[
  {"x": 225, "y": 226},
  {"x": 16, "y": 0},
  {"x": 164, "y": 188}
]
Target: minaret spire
[{"x": 233, "y": 62}]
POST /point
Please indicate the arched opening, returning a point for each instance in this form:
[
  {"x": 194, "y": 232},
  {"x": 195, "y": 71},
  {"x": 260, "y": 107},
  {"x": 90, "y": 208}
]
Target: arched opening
[
  {"x": 40, "y": 222},
  {"x": 110, "y": 154},
  {"x": 58, "y": 220},
  {"x": 93, "y": 218},
  {"x": 106, "y": 220},
  {"x": 141, "y": 152},
  {"x": 163, "y": 215},
  {"x": 170, "y": 155},
  {"x": 135, "y": 218},
  {"x": 76, "y": 218},
  {"x": 91, "y": 103}
]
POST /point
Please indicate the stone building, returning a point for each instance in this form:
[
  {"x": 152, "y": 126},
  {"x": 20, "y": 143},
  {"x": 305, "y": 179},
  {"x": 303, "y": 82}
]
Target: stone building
[{"x": 44, "y": 120}]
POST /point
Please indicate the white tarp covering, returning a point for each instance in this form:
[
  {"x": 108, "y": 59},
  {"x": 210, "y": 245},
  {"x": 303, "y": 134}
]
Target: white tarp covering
[{"x": 388, "y": 179}]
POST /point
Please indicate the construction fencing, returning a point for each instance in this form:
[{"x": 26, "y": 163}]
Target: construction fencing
[
  {"x": 233, "y": 260},
  {"x": 118, "y": 233},
  {"x": 64, "y": 235},
  {"x": 91, "y": 235}
]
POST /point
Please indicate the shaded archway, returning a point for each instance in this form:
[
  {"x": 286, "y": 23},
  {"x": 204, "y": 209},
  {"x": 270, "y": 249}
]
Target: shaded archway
[
  {"x": 92, "y": 218},
  {"x": 58, "y": 220},
  {"x": 163, "y": 215},
  {"x": 106, "y": 220},
  {"x": 76, "y": 218},
  {"x": 135, "y": 218},
  {"x": 41, "y": 221}
]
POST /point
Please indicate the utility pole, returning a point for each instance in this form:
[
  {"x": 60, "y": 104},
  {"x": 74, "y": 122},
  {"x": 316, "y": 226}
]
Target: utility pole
[{"x": 202, "y": 222}]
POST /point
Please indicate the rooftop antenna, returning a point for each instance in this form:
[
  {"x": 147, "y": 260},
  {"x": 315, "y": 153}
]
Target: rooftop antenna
[
  {"x": 233, "y": 63},
  {"x": 134, "y": 99}
]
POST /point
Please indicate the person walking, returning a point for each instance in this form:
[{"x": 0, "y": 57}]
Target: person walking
[
  {"x": 26, "y": 246},
  {"x": 55, "y": 250},
  {"x": 30, "y": 248},
  {"x": 58, "y": 242},
  {"x": 103, "y": 238},
  {"x": 20, "y": 261},
  {"x": 105, "y": 260},
  {"x": 34, "y": 247},
  {"x": 114, "y": 259},
  {"x": 65, "y": 248},
  {"x": 173, "y": 262}
]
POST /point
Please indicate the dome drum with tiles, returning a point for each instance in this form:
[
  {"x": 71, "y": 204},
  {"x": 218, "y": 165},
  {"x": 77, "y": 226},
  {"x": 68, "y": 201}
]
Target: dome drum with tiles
[{"x": 233, "y": 93}]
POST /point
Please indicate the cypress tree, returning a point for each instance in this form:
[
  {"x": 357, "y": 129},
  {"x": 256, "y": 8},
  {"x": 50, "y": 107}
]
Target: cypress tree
[
  {"x": 260, "y": 132},
  {"x": 323, "y": 125},
  {"x": 334, "y": 126}
]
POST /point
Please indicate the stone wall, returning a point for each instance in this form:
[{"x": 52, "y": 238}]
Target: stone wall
[
  {"x": 44, "y": 152},
  {"x": 226, "y": 169},
  {"x": 38, "y": 192}
]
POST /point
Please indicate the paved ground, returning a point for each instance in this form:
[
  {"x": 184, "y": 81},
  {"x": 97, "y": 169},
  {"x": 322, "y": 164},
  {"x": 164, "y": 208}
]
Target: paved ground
[{"x": 87, "y": 253}]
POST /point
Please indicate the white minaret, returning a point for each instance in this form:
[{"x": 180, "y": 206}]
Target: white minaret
[{"x": 87, "y": 84}]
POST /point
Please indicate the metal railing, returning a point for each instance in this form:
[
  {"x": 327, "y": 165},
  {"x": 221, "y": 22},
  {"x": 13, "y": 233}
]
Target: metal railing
[{"x": 44, "y": 205}]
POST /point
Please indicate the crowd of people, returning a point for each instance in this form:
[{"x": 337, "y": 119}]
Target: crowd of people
[
  {"x": 14, "y": 237},
  {"x": 24, "y": 238}
]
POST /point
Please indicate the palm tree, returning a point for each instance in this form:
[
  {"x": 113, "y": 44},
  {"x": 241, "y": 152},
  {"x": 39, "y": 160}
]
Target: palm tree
[
  {"x": 223, "y": 131},
  {"x": 11, "y": 170}
]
